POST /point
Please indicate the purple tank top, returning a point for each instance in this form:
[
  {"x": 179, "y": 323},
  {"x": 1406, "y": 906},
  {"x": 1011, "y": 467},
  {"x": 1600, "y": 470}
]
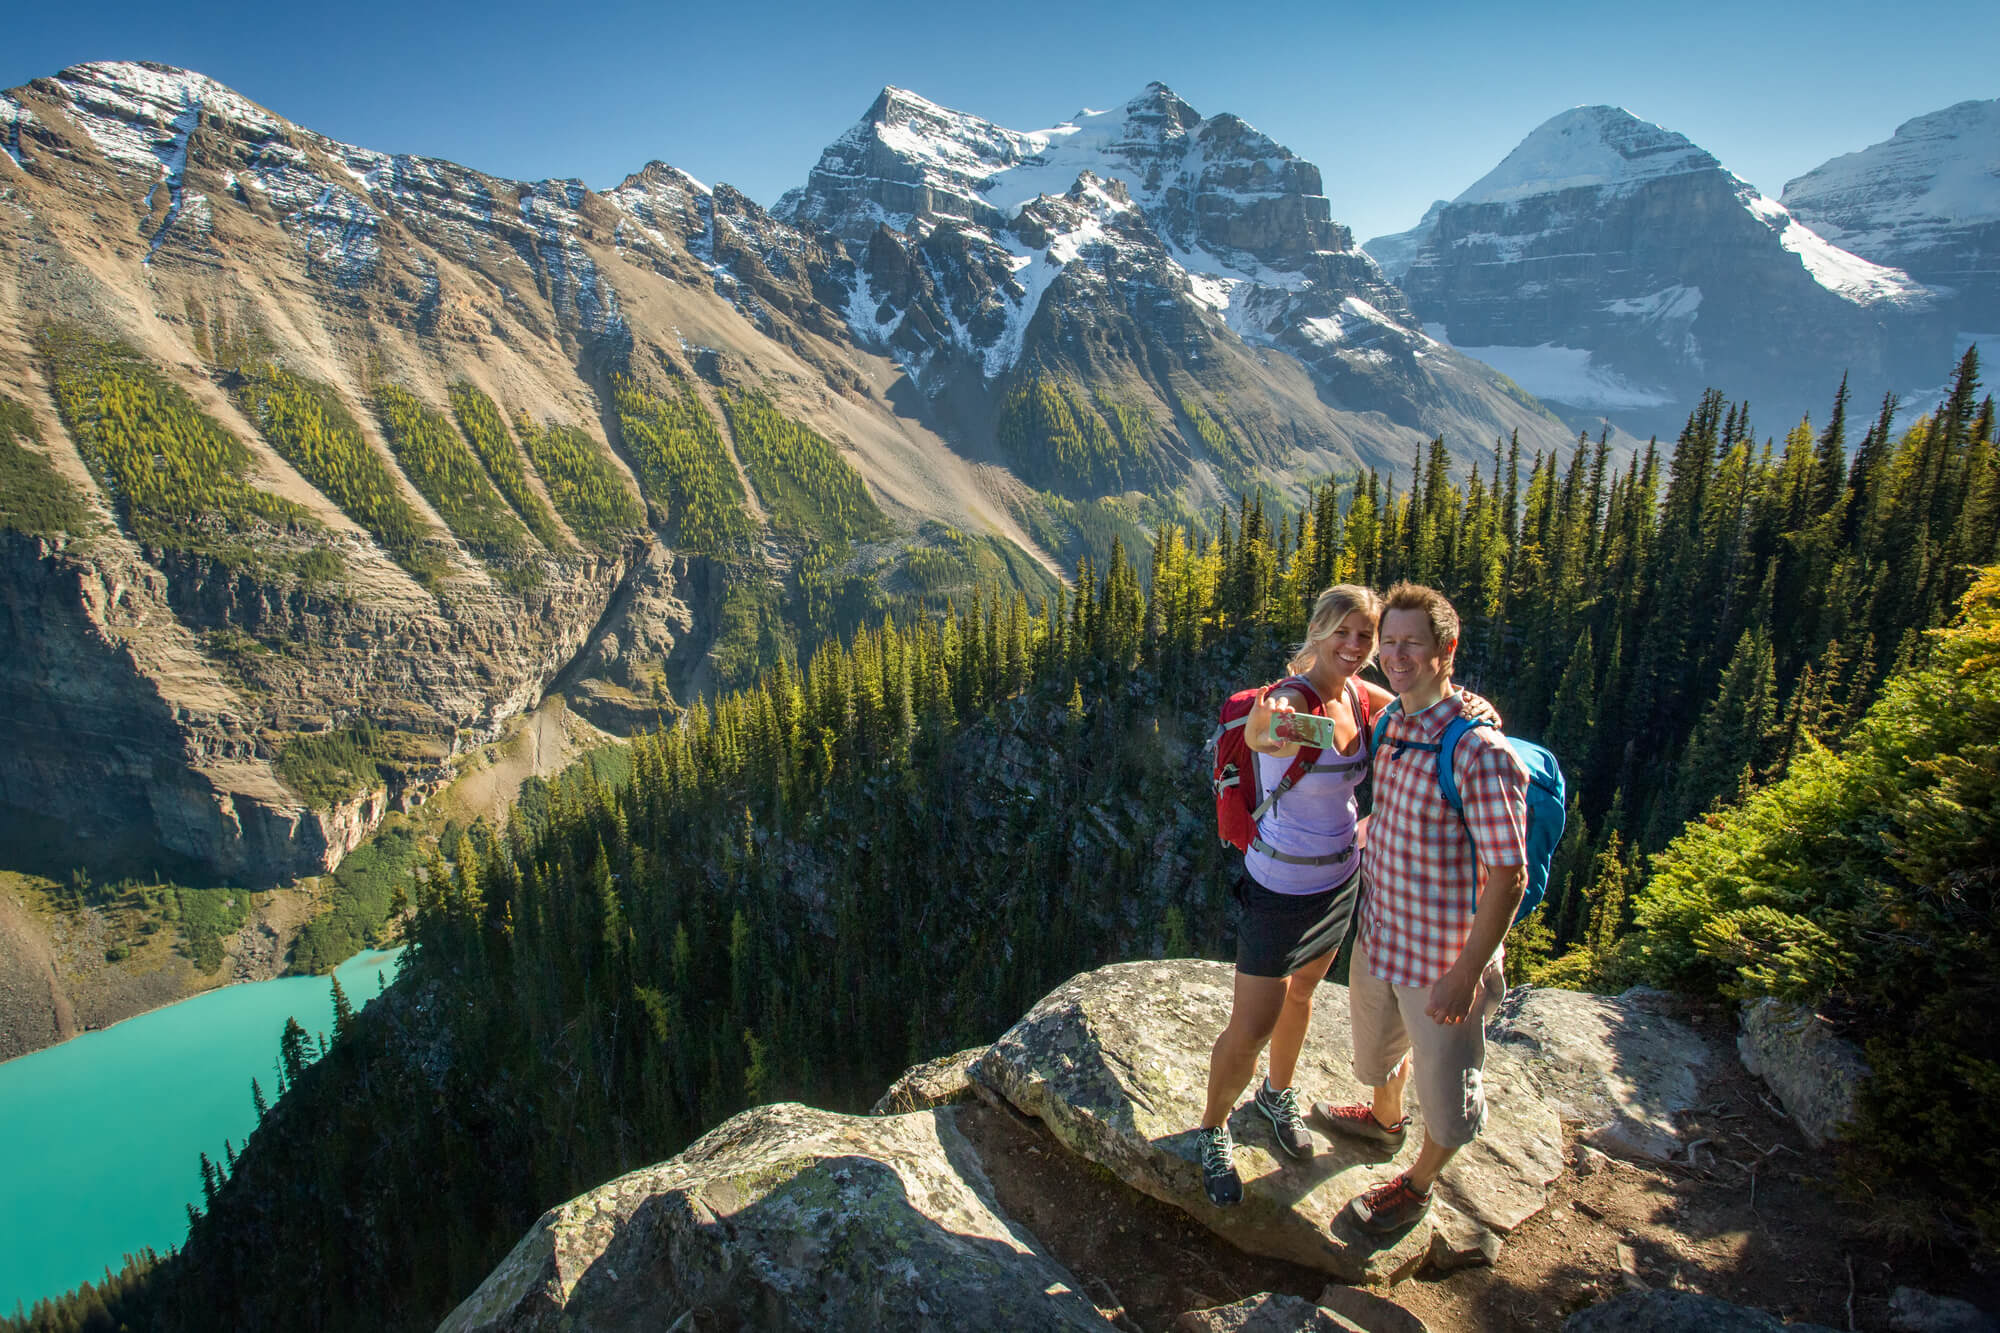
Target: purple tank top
[{"x": 1316, "y": 818}]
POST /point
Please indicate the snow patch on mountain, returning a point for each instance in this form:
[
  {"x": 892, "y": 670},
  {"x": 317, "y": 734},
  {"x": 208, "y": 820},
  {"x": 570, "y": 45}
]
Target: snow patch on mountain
[
  {"x": 1835, "y": 269},
  {"x": 1567, "y": 375},
  {"x": 12, "y": 117},
  {"x": 1144, "y": 174},
  {"x": 1588, "y": 147},
  {"x": 549, "y": 210}
]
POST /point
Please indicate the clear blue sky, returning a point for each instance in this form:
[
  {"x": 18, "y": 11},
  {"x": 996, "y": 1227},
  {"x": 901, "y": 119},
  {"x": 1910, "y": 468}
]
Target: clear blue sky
[{"x": 1398, "y": 104}]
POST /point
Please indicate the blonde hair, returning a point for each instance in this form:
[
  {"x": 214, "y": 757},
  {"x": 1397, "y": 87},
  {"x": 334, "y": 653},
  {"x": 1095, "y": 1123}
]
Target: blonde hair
[{"x": 1329, "y": 609}]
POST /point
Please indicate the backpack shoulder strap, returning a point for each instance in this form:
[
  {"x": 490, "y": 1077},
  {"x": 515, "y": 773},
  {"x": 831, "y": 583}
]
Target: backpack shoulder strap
[
  {"x": 1302, "y": 761},
  {"x": 1314, "y": 703},
  {"x": 1382, "y": 724},
  {"x": 1454, "y": 732}
]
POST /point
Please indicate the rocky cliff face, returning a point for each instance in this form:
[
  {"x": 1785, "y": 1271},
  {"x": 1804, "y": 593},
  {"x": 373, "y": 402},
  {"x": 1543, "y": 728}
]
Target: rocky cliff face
[
  {"x": 1610, "y": 263},
  {"x": 1926, "y": 200}
]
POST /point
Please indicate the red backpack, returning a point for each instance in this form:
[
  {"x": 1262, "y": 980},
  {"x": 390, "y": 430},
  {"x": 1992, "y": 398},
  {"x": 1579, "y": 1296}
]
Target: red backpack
[{"x": 1238, "y": 803}]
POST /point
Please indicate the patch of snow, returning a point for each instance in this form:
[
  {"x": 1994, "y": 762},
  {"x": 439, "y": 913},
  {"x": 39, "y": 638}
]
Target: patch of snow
[
  {"x": 1566, "y": 375},
  {"x": 1835, "y": 269},
  {"x": 1438, "y": 334},
  {"x": 549, "y": 211},
  {"x": 12, "y": 117},
  {"x": 1669, "y": 303}
]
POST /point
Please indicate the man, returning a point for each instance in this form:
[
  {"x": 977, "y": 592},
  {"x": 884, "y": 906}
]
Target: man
[{"x": 1441, "y": 892}]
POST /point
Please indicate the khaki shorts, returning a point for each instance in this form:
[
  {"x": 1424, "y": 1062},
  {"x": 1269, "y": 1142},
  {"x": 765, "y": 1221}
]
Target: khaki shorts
[{"x": 1389, "y": 1022}]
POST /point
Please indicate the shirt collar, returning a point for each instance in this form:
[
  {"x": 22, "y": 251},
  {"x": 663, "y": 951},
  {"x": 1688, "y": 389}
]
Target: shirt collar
[{"x": 1433, "y": 720}]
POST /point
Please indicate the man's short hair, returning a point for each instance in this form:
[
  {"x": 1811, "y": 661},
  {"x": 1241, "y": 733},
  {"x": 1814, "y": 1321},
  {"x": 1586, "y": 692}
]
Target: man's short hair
[{"x": 1416, "y": 597}]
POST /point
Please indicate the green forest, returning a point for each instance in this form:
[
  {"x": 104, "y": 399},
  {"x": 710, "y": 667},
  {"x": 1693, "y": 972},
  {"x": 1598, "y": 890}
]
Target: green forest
[
  {"x": 177, "y": 478},
  {"x": 1056, "y": 437},
  {"x": 806, "y": 487},
  {"x": 583, "y": 483},
  {"x": 34, "y": 498},
  {"x": 307, "y": 424},
  {"x": 444, "y": 470},
  {"x": 891, "y": 852},
  {"x": 487, "y": 434},
  {"x": 684, "y": 468}
]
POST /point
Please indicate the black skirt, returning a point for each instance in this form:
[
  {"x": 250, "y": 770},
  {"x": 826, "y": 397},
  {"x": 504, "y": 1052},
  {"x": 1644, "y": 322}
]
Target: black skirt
[{"x": 1282, "y": 932}]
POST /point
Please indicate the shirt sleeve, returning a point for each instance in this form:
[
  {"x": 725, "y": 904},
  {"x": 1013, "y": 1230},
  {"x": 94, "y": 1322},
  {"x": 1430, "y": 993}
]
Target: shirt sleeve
[{"x": 1494, "y": 786}]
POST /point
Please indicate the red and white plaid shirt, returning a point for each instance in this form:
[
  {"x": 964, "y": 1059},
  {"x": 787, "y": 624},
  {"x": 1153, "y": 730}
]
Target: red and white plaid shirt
[{"x": 1423, "y": 872}]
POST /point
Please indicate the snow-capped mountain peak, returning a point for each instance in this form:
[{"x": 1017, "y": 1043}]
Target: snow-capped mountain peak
[
  {"x": 1588, "y": 147},
  {"x": 1926, "y": 200},
  {"x": 1608, "y": 262}
]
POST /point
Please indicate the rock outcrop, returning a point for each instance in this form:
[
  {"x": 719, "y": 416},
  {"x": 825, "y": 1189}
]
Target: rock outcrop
[
  {"x": 1621, "y": 1067},
  {"x": 1271, "y": 1313},
  {"x": 787, "y": 1218},
  {"x": 933, "y": 1083},
  {"x": 1115, "y": 1064},
  {"x": 1815, "y": 1072}
]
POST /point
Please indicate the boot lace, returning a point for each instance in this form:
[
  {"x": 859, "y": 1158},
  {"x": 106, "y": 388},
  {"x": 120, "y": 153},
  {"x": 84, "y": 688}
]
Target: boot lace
[{"x": 1218, "y": 1151}]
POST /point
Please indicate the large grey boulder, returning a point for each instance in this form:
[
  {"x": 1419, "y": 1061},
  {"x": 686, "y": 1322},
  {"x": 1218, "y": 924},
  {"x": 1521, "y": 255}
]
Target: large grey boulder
[
  {"x": 1915, "y": 1311},
  {"x": 1115, "y": 1063},
  {"x": 1622, "y": 1065},
  {"x": 1678, "y": 1312},
  {"x": 1815, "y": 1072},
  {"x": 785, "y": 1217}
]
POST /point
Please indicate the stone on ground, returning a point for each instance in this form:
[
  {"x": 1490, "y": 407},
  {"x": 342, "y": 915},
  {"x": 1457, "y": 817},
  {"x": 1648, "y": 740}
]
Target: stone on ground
[
  {"x": 1622, "y": 1065},
  {"x": 1268, "y": 1313},
  {"x": 944, "y": 1081},
  {"x": 1678, "y": 1312},
  {"x": 1814, "y": 1072},
  {"x": 1914, "y": 1311},
  {"x": 1377, "y": 1314},
  {"x": 785, "y": 1217},
  {"x": 1115, "y": 1063}
]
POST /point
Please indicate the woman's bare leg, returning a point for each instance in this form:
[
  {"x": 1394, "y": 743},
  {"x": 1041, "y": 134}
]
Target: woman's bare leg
[
  {"x": 1288, "y": 1037},
  {"x": 1252, "y": 1014}
]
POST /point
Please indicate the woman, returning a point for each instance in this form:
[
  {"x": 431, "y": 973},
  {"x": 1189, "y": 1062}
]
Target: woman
[{"x": 1300, "y": 881}]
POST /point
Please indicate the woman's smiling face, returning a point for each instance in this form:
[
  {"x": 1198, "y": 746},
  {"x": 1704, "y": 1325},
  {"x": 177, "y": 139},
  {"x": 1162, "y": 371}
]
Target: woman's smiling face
[{"x": 1352, "y": 641}]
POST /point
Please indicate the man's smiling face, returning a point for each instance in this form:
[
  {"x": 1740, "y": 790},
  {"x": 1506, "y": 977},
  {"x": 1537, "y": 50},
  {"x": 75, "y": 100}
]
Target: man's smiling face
[{"x": 1412, "y": 658}]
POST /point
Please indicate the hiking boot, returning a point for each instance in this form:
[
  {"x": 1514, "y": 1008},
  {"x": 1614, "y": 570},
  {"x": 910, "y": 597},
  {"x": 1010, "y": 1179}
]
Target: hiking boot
[
  {"x": 1390, "y": 1206},
  {"x": 1357, "y": 1121},
  {"x": 1282, "y": 1110},
  {"x": 1218, "y": 1167}
]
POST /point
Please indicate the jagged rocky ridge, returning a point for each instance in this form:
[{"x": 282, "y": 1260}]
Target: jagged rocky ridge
[
  {"x": 1926, "y": 200},
  {"x": 1153, "y": 257},
  {"x": 1189, "y": 290},
  {"x": 1612, "y": 264}
]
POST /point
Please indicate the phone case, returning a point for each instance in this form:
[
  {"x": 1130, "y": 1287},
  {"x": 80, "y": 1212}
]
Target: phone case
[{"x": 1308, "y": 729}]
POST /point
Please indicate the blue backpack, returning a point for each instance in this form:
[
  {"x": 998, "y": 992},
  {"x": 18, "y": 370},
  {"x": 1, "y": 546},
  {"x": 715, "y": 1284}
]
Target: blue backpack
[{"x": 1546, "y": 794}]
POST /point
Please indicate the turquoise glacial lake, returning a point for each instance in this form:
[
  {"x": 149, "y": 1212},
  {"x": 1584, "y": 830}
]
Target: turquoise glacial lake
[{"x": 100, "y": 1136}]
